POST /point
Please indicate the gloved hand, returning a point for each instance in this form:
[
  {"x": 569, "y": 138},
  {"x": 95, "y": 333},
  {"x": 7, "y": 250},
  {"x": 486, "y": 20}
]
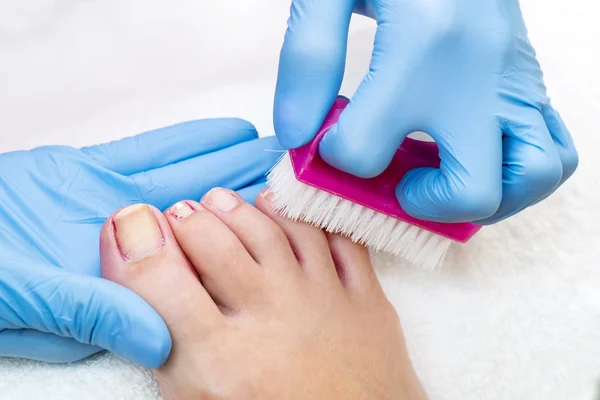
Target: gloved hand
[
  {"x": 53, "y": 201},
  {"x": 461, "y": 70}
]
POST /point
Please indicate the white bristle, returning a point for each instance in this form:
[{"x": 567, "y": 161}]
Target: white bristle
[{"x": 379, "y": 232}]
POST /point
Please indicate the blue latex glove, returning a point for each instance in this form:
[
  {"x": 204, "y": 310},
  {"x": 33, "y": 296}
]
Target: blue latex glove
[
  {"x": 53, "y": 201},
  {"x": 461, "y": 70}
]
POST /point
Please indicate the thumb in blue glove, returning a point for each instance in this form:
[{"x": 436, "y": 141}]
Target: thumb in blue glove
[
  {"x": 463, "y": 71},
  {"x": 53, "y": 201}
]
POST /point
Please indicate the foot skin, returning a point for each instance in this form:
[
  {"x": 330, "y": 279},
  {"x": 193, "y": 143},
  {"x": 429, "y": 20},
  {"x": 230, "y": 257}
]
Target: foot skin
[{"x": 259, "y": 307}]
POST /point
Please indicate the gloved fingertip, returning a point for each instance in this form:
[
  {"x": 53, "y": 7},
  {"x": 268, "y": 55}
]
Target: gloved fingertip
[
  {"x": 328, "y": 149},
  {"x": 150, "y": 349},
  {"x": 295, "y": 126},
  {"x": 408, "y": 198},
  {"x": 242, "y": 129},
  {"x": 310, "y": 76},
  {"x": 426, "y": 194},
  {"x": 348, "y": 154},
  {"x": 299, "y": 125},
  {"x": 146, "y": 342},
  {"x": 419, "y": 195},
  {"x": 127, "y": 325},
  {"x": 157, "y": 350}
]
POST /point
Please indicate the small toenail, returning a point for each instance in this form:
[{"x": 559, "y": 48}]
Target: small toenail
[
  {"x": 224, "y": 200},
  {"x": 266, "y": 194},
  {"x": 137, "y": 232},
  {"x": 181, "y": 210}
]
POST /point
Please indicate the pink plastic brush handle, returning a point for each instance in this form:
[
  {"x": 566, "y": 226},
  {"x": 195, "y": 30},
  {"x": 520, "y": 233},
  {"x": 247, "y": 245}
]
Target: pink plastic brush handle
[{"x": 377, "y": 193}]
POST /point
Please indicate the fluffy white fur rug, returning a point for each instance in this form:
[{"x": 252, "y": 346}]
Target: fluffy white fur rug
[{"x": 513, "y": 315}]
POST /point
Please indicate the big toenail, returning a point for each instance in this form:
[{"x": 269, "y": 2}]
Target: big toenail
[
  {"x": 181, "y": 210},
  {"x": 224, "y": 200},
  {"x": 137, "y": 232}
]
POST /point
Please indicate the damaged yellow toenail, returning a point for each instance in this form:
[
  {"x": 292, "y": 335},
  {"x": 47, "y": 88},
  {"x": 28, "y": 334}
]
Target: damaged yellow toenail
[
  {"x": 224, "y": 200},
  {"x": 181, "y": 210},
  {"x": 137, "y": 232}
]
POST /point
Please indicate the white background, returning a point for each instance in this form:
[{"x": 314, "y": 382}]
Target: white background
[{"x": 513, "y": 315}]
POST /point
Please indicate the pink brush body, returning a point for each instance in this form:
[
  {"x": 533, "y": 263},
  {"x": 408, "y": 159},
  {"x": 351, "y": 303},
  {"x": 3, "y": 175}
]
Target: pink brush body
[{"x": 376, "y": 193}]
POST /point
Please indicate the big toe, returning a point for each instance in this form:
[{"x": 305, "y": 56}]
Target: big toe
[{"x": 138, "y": 251}]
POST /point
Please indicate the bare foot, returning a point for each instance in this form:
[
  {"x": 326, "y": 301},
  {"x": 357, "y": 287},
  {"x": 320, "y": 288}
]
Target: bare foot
[{"x": 259, "y": 307}]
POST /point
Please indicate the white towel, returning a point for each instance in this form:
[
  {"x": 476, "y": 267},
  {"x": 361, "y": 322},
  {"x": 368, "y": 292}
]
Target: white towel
[{"x": 515, "y": 314}]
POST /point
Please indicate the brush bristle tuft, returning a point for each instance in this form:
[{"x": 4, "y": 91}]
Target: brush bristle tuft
[{"x": 375, "y": 230}]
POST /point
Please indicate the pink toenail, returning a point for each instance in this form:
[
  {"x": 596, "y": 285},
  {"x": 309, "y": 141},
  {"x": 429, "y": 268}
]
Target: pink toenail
[
  {"x": 266, "y": 194},
  {"x": 181, "y": 210},
  {"x": 224, "y": 200}
]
